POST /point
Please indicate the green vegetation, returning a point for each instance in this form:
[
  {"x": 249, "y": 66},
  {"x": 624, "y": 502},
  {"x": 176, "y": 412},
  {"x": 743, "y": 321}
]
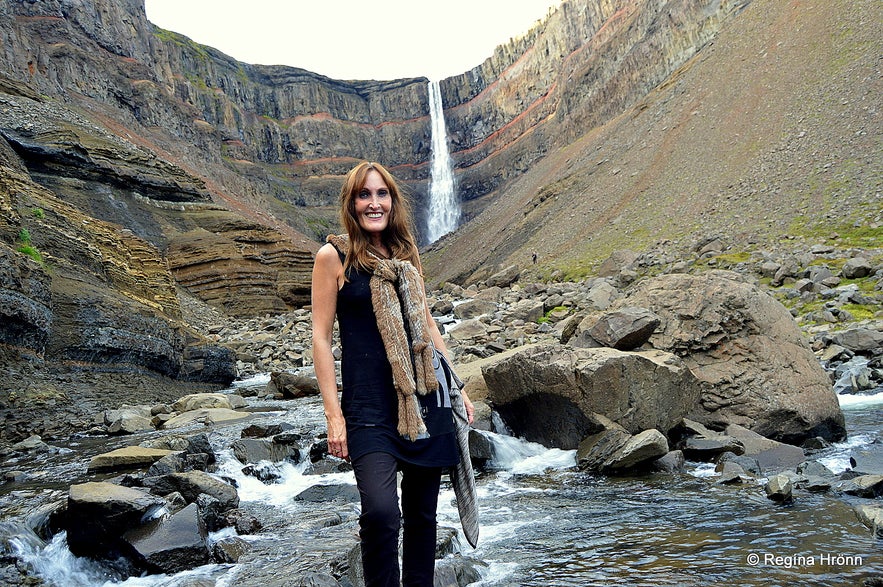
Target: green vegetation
[
  {"x": 26, "y": 248},
  {"x": 182, "y": 41},
  {"x": 38, "y": 213}
]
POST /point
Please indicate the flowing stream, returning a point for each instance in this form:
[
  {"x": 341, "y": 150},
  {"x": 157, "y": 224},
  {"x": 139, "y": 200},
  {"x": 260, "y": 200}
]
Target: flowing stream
[
  {"x": 444, "y": 207},
  {"x": 543, "y": 522}
]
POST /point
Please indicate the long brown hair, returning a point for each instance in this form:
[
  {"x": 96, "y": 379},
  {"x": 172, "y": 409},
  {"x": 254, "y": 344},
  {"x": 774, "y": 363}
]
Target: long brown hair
[{"x": 397, "y": 236}]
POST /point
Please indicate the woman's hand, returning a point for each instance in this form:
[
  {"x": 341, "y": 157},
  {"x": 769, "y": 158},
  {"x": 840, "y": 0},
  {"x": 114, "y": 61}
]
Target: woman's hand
[
  {"x": 470, "y": 409},
  {"x": 337, "y": 438}
]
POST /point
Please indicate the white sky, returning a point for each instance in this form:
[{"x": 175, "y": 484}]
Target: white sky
[{"x": 346, "y": 39}]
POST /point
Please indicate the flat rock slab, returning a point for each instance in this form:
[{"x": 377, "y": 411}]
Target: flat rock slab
[{"x": 129, "y": 457}]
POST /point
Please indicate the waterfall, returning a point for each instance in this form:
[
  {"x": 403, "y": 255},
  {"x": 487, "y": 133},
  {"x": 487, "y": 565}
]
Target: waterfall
[{"x": 444, "y": 207}]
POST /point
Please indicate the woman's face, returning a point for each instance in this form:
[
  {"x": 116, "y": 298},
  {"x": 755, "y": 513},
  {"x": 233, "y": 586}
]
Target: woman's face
[{"x": 373, "y": 204}]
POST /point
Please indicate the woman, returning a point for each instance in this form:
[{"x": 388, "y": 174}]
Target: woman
[{"x": 385, "y": 421}]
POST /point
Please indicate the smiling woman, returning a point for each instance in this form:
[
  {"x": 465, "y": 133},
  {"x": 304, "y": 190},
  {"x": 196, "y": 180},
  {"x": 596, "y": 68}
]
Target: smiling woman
[{"x": 393, "y": 39}]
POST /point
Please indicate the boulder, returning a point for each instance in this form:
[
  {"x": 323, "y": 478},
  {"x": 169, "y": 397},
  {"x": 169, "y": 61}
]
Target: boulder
[
  {"x": 98, "y": 513},
  {"x": 616, "y": 262},
  {"x": 779, "y": 489},
  {"x": 198, "y": 401},
  {"x": 860, "y": 339},
  {"x": 872, "y": 517},
  {"x": 856, "y": 268},
  {"x": 191, "y": 484},
  {"x": 467, "y": 329},
  {"x": 706, "y": 448},
  {"x": 772, "y": 456},
  {"x": 753, "y": 363},
  {"x": 474, "y": 308},
  {"x": 128, "y": 420},
  {"x": 170, "y": 544},
  {"x": 292, "y": 385},
  {"x": 601, "y": 295},
  {"x": 254, "y": 450},
  {"x": 206, "y": 416},
  {"x": 505, "y": 277},
  {"x": 550, "y": 393},
  {"x": 129, "y": 457},
  {"x": 625, "y": 329},
  {"x": 869, "y": 486}
]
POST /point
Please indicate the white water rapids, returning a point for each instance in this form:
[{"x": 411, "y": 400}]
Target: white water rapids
[
  {"x": 444, "y": 207},
  {"x": 543, "y": 522}
]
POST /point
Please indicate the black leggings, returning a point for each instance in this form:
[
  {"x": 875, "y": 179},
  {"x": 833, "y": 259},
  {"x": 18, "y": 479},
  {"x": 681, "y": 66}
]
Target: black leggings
[{"x": 380, "y": 520}]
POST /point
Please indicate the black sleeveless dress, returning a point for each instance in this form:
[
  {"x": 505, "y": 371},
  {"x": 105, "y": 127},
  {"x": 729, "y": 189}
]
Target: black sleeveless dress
[{"x": 369, "y": 401}]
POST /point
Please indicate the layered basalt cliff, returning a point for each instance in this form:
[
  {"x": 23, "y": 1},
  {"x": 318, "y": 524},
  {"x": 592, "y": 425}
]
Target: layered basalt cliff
[
  {"x": 585, "y": 64},
  {"x": 139, "y": 166}
]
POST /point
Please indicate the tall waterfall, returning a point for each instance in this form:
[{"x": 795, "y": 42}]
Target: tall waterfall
[{"x": 444, "y": 207}]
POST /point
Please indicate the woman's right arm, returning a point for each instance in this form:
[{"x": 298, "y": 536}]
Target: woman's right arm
[{"x": 327, "y": 277}]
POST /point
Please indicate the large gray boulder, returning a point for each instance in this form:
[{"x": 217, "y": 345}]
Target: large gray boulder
[
  {"x": 550, "y": 393},
  {"x": 170, "y": 544},
  {"x": 99, "y": 512},
  {"x": 754, "y": 365}
]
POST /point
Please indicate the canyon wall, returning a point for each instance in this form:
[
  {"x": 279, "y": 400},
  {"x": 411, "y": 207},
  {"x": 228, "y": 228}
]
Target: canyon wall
[{"x": 142, "y": 165}]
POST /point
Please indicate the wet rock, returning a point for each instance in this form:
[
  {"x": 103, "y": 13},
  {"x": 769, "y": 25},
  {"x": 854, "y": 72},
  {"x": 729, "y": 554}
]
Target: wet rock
[
  {"x": 567, "y": 386},
  {"x": 32, "y": 443},
  {"x": 228, "y": 550},
  {"x": 638, "y": 450},
  {"x": 244, "y": 522},
  {"x": 261, "y": 430},
  {"x": 170, "y": 544},
  {"x": 702, "y": 448},
  {"x": 128, "y": 420},
  {"x": 869, "y": 486},
  {"x": 872, "y": 517},
  {"x": 779, "y": 489},
  {"x": 673, "y": 462},
  {"x": 731, "y": 473},
  {"x": 206, "y": 416},
  {"x": 129, "y": 457},
  {"x": 772, "y": 456},
  {"x": 292, "y": 385},
  {"x": 867, "y": 461},
  {"x": 346, "y": 493},
  {"x": 98, "y": 513},
  {"x": 192, "y": 483},
  {"x": 254, "y": 450},
  {"x": 748, "y": 464}
]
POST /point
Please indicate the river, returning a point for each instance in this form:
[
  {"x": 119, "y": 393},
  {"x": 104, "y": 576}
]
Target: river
[{"x": 543, "y": 522}]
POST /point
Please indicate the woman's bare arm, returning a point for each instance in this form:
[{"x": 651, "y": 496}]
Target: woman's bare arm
[{"x": 327, "y": 278}]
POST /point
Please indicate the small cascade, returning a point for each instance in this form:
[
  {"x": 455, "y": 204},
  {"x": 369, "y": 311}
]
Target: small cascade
[{"x": 444, "y": 207}]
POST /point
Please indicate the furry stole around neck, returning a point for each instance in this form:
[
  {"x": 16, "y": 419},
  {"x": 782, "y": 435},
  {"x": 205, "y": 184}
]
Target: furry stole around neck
[{"x": 397, "y": 296}]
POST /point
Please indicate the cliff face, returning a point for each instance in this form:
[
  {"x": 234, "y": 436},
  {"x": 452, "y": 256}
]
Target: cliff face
[
  {"x": 221, "y": 177},
  {"x": 768, "y": 135},
  {"x": 585, "y": 64}
]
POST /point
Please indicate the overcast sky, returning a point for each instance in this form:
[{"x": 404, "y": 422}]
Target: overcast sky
[{"x": 345, "y": 39}]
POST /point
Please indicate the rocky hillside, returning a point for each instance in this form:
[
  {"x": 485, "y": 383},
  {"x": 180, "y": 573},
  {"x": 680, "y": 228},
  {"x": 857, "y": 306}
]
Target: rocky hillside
[
  {"x": 769, "y": 135},
  {"x": 142, "y": 174}
]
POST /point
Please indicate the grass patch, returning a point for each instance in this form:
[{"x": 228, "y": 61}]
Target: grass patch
[
  {"x": 859, "y": 312},
  {"x": 31, "y": 252}
]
